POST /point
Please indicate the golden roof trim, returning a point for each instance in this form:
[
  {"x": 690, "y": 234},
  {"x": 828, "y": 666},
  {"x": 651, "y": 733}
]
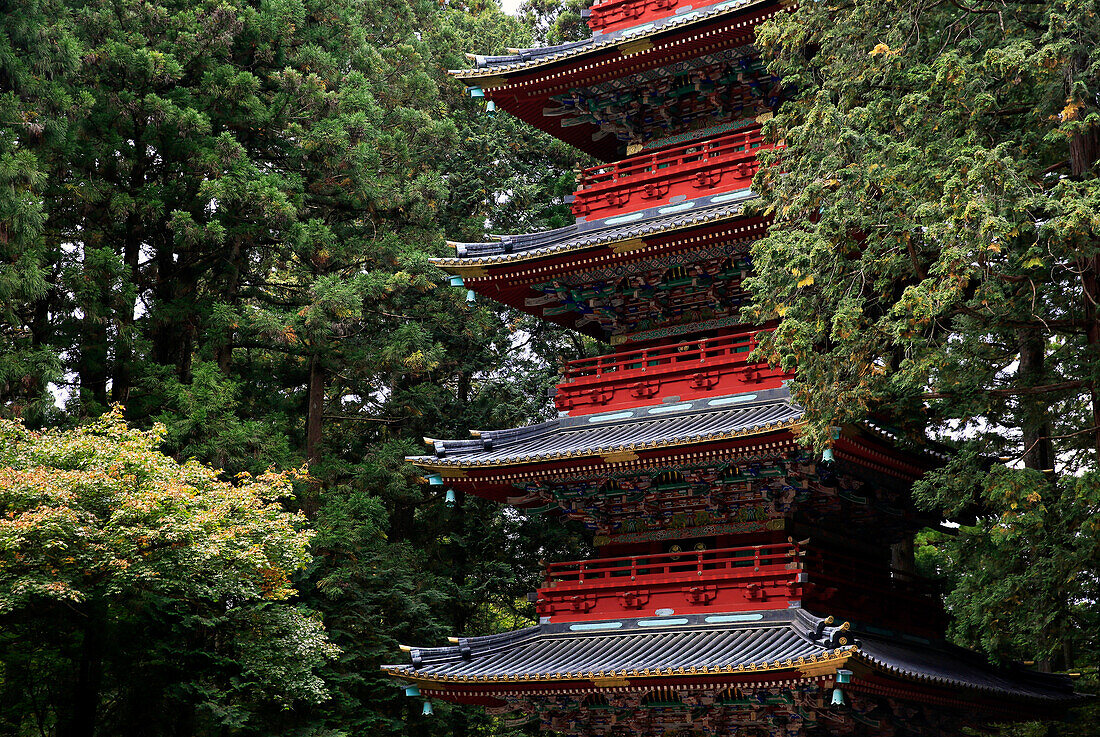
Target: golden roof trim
[
  {"x": 836, "y": 659},
  {"x": 475, "y": 265},
  {"x": 631, "y": 43},
  {"x": 625, "y": 452}
]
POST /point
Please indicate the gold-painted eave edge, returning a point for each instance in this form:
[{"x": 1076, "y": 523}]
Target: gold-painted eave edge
[
  {"x": 615, "y": 451},
  {"x": 505, "y": 72},
  {"x": 872, "y": 663},
  {"x": 476, "y": 266},
  {"x": 816, "y": 667}
]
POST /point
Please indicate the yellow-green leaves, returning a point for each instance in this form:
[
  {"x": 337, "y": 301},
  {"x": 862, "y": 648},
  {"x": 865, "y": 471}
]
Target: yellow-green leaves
[{"x": 97, "y": 525}]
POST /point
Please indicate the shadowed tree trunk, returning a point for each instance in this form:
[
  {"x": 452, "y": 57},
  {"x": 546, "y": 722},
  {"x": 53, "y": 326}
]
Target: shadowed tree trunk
[
  {"x": 315, "y": 410},
  {"x": 84, "y": 714},
  {"x": 1084, "y": 149}
]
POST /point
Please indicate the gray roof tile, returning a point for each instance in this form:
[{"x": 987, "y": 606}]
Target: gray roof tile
[
  {"x": 611, "y": 229},
  {"x": 524, "y": 59},
  {"x": 560, "y": 651},
  {"x": 641, "y": 427}
]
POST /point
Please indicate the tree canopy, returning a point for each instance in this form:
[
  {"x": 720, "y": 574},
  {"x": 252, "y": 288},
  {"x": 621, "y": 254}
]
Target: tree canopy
[
  {"x": 219, "y": 215},
  {"x": 220, "y": 334},
  {"x": 130, "y": 579},
  {"x": 934, "y": 259}
]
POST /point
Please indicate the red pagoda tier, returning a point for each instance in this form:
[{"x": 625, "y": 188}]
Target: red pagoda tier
[
  {"x": 687, "y": 73},
  {"x": 740, "y": 584}
]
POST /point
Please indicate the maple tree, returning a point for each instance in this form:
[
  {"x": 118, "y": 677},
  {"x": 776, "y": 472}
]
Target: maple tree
[{"x": 151, "y": 577}]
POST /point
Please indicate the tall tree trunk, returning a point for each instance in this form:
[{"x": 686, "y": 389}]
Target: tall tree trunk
[
  {"x": 315, "y": 425},
  {"x": 84, "y": 711},
  {"x": 1084, "y": 149},
  {"x": 315, "y": 410},
  {"x": 131, "y": 254},
  {"x": 172, "y": 323},
  {"x": 91, "y": 366},
  {"x": 1034, "y": 422},
  {"x": 123, "y": 378},
  {"x": 1035, "y": 431},
  {"x": 223, "y": 350}
]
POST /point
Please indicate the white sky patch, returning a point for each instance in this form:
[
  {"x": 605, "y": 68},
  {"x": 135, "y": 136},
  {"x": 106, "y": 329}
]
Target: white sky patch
[{"x": 510, "y": 6}]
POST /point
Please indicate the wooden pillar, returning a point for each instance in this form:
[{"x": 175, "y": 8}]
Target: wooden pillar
[{"x": 902, "y": 556}]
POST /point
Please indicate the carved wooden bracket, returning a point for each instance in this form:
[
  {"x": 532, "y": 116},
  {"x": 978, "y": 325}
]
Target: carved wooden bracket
[
  {"x": 617, "y": 198},
  {"x": 755, "y": 592},
  {"x": 706, "y": 179},
  {"x": 581, "y": 602},
  {"x": 704, "y": 380},
  {"x": 634, "y": 599},
  {"x": 700, "y": 594},
  {"x": 597, "y": 395}
]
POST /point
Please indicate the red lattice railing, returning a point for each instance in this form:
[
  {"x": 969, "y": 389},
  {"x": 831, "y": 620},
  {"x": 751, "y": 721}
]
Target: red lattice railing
[
  {"x": 738, "y": 579},
  {"x": 733, "y": 563},
  {"x": 610, "y": 15},
  {"x": 708, "y": 367},
  {"x": 661, "y": 359},
  {"x": 723, "y": 163}
]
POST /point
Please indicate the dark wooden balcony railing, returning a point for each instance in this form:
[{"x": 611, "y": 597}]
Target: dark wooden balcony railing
[{"x": 720, "y": 164}]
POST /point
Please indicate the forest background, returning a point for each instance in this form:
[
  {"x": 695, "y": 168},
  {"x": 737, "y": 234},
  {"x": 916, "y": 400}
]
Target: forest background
[{"x": 215, "y": 220}]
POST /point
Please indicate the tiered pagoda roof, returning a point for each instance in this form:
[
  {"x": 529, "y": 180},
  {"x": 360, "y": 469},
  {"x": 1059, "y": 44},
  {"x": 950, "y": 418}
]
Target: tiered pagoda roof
[
  {"x": 657, "y": 648},
  {"x": 616, "y": 278},
  {"x": 707, "y": 466},
  {"x": 745, "y": 662},
  {"x": 720, "y": 539},
  {"x": 620, "y": 433},
  {"x": 474, "y": 258},
  {"x": 617, "y": 90}
]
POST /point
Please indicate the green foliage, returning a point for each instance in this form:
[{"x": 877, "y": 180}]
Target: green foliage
[
  {"x": 221, "y": 214},
  {"x": 1023, "y": 574},
  {"x": 925, "y": 216},
  {"x": 37, "y": 49},
  {"x": 166, "y": 591},
  {"x": 556, "y": 21},
  {"x": 933, "y": 258},
  {"x": 204, "y": 419}
]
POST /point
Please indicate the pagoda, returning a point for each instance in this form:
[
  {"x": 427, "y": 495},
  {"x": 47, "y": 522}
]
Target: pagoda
[{"x": 743, "y": 586}]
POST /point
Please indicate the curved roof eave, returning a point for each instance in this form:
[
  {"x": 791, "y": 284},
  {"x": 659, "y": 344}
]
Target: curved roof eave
[
  {"x": 616, "y": 230},
  {"x": 621, "y": 432},
  {"x": 526, "y": 59}
]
